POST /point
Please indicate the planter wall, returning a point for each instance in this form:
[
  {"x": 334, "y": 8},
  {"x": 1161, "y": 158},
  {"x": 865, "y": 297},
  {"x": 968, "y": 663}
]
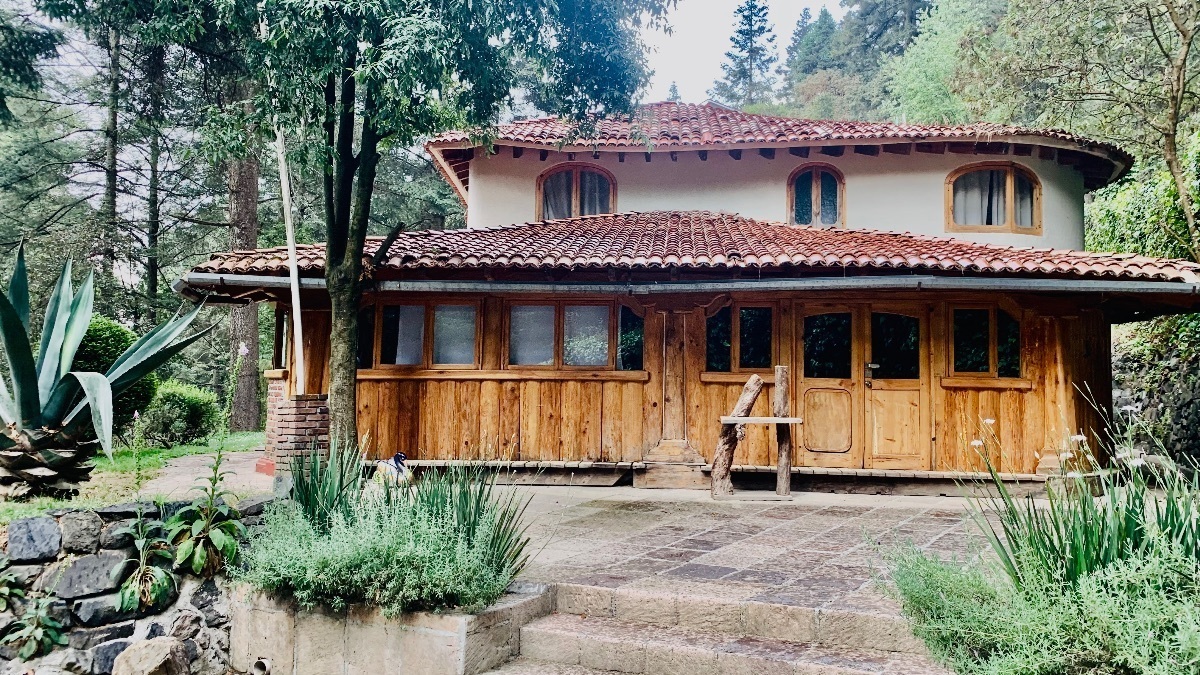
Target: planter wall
[{"x": 302, "y": 642}]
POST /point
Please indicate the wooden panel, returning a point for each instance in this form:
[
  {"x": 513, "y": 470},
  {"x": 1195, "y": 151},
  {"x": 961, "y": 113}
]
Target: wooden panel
[
  {"x": 652, "y": 392},
  {"x": 894, "y": 424},
  {"x": 683, "y": 356},
  {"x": 631, "y": 422},
  {"x": 610, "y": 439},
  {"x": 466, "y": 408},
  {"x": 550, "y": 410},
  {"x": 531, "y": 421},
  {"x": 591, "y": 404},
  {"x": 828, "y": 419},
  {"x": 367, "y": 414},
  {"x": 489, "y": 418},
  {"x": 510, "y": 420},
  {"x": 572, "y": 414}
]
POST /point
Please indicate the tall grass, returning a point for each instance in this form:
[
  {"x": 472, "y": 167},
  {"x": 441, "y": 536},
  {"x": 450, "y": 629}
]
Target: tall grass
[{"x": 325, "y": 488}]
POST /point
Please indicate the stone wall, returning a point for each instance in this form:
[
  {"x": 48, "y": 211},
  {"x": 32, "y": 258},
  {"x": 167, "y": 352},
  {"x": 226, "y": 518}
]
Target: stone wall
[
  {"x": 70, "y": 555},
  {"x": 1166, "y": 396},
  {"x": 295, "y": 425}
]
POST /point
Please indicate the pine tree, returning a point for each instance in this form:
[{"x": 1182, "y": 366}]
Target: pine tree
[
  {"x": 673, "y": 93},
  {"x": 748, "y": 79},
  {"x": 811, "y": 48}
]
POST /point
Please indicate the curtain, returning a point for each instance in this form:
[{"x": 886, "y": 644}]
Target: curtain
[
  {"x": 594, "y": 193},
  {"x": 454, "y": 334},
  {"x": 407, "y": 324},
  {"x": 829, "y": 198},
  {"x": 556, "y": 196},
  {"x": 531, "y": 335},
  {"x": 1024, "y": 197},
  {"x": 979, "y": 198}
]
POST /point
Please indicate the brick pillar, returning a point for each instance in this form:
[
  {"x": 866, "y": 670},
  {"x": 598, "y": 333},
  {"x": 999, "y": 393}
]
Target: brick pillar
[{"x": 295, "y": 425}]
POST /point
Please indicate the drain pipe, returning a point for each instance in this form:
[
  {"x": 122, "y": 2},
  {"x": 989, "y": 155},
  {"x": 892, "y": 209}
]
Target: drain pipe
[{"x": 261, "y": 667}]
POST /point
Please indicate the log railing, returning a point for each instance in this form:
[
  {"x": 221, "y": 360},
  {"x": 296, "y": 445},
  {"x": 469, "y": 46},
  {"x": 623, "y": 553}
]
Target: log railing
[{"x": 733, "y": 429}]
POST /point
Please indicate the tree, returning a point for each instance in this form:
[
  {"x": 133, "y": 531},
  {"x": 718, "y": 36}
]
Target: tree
[
  {"x": 747, "y": 69},
  {"x": 873, "y": 30},
  {"x": 350, "y": 79},
  {"x": 811, "y": 48},
  {"x": 673, "y": 93},
  {"x": 22, "y": 44}
]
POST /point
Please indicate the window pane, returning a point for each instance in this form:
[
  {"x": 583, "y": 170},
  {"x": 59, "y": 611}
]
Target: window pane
[
  {"x": 556, "y": 195},
  {"x": 585, "y": 335},
  {"x": 896, "y": 346},
  {"x": 531, "y": 335},
  {"x": 829, "y": 198},
  {"x": 827, "y": 346},
  {"x": 1008, "y": 345},
  {"x": 718, "y": 342},
  {"x": 1024, "y": 197},
  {"x": 403, "y": 340},
  {"x": 366, "y": 337},
  {"x": 972, "y": 332},
  {"x": 754, "y": 338},
  {"x": 594, "y": 193},
  {"x": 454, "y": 334},
  {"x": 804, "y": 201},
  {"x": 630, "y": 340},
  {"x": 979, "y": 198}
]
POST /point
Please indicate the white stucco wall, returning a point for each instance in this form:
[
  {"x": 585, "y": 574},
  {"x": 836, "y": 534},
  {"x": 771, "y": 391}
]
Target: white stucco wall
[{"x": 903, "y": 193}]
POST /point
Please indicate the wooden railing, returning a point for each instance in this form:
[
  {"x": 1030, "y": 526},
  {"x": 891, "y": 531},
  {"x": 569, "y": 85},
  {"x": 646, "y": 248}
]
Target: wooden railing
[{"x": 733, "y": 429}]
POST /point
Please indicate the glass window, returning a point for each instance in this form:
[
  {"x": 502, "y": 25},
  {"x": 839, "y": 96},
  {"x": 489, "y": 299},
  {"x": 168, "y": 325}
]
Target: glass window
[
  {"x": 719, "y": 341},
  {"x": 827, "y": 340},
  {"x": 1024, "y": 199},
  {"x": 595, "y": 193},
  {"x": 454, "y": 335},
  {"x": 816, "y": 197},
  {"x": 895, "y": 346},
  {"x": 754, "y": 337},
  {"x": 366, "y": 337},
  {"x": 631, "y": 331},
  {"x": 531, "y": 335},
  {"x": 403, "y": 340},
  {"x": 1008, "y": 345},
  {"x": 980, "y": 198},
  {"x": 558, "y": 195},
  {"x": 585, "y": 335},
  {"x": 575, "y": 191},
  {"x": 972, "y": 341}
]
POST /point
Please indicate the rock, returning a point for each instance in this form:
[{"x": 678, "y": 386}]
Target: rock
[
  {"x": 6, "y": 620},
  {"x": 160, "y": 656},
  {"x": 283, "y": 485},
  {"x": 171, "y": 508},
  {"x": 126, "y": 511},
  {"x": 80, "y": 531},
  {"x": 254, "y": 506},
  {"x": 90, "y": 574},
  {"x": 211, "y": 602},
  {"x": 252, "y": 521},
  {"x": 86, "y": 638},
  {"x": 33, "y": 539},
  {"x": 111, "y": 537},
  {"x": 60, "y": 611},
  {"x": 155, "y": 630},
  {"x": 191, "y": 649},
  {"x": 70, "y": 660},
  {"x": 99, "y": 611},
  {"x": 105, "y": 654},
  {"x": 186, "y": 625},
  {"x": 26, "y": 574}
]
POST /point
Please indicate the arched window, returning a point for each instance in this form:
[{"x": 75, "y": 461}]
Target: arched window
[
  {"x": 817, "y": 196},
  {"x": 575, "y": 190},
  {"x": 994, "y": 197}
]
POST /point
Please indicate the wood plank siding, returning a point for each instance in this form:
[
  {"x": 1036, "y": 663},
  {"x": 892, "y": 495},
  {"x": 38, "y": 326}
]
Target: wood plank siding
[{"x": 493, "y": 411}]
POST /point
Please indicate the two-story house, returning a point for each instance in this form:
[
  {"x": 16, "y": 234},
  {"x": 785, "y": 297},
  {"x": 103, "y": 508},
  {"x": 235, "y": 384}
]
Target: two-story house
[{"x": 611, "y": 295}]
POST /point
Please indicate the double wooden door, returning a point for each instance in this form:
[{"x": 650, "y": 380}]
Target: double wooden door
[{"x": 862, "y": 382}]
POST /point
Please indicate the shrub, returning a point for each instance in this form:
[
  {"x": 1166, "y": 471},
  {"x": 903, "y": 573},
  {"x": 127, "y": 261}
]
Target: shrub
[
  {"x": 324, "y": 488},
  {"x": 450, "y": 541},
  {"x": 206, "y": 533},
  {"x": 181, "y": 413},
  {"x": 104, "y": 342}
]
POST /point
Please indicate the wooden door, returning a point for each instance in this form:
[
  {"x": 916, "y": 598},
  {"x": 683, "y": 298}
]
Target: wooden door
[
  {"x": 830, "y": 377},
  {"x": 897, "y": 388}
]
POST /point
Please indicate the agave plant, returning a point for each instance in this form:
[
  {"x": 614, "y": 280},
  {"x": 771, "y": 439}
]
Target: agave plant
[{"x": 56, "y": 418}]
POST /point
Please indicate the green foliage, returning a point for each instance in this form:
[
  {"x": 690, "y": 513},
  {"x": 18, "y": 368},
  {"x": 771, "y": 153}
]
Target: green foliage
[
  {"x": 747, "y": 68},
  {"x": 179, "y": 414},
  {"x": 36, "y": 631},
  {"x": 103, "y": 343},
  {"x": 148, "y": 584},
  {"x": 811, "y": 48},
  {"x": 206, "y": 532},
  {"x": 9, "y": 588},
  {"x": 22, "y": 44},
  {"x": 449, "y": 541},
  {"x": 325, "y": 489}
]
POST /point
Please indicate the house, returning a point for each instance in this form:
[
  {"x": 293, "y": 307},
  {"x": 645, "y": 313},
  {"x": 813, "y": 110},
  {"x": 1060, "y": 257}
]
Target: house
[{"x": 611, "y": 295}]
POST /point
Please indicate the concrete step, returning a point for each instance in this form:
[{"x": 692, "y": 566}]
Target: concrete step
[
  {"x": 524, "y": 666},
  {"x": 842, "y": 628},
  {"x": 629, "y": 647}
]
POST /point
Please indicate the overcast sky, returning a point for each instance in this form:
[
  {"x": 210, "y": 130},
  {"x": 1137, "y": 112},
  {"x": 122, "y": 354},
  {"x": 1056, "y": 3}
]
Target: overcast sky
[{"x": 691, "y": 56}]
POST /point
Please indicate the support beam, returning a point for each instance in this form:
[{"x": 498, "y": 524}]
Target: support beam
[
  {"x": 1022, "y": 150},
  {"x": 871, "y": 150},
  {"x": 898, "y": 148},
  {"x": 621, "y": 157},
  {"x": 647, "y": 157},
  {"x": 833, "y": 150},
  {"x": 1045, "y": 153},
  {"x": 781, "y": 407},
  {"x": 703, "y": 155},
  {"x": 768, "y": 153},
  {"x": 595, "y": 154},
  {"x": 736, "y": 154},
  {"x": 727, "y": 442},
  {"x": 570, "y": 157},
  {"x": 798, "y": 152},
  {"x": 931, "y": 148},
  {"x": 517, "y": 152},
  {"x": 543, "y": 154},
  {"x": 674, "y": 156}
]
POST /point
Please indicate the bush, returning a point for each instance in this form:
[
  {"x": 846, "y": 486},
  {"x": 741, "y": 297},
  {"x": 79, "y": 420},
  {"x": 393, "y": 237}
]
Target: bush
[
  {"x": 181, "y": 413},
  {"x": 450, "y": 541},
  {"x": 103, "y": 343}
]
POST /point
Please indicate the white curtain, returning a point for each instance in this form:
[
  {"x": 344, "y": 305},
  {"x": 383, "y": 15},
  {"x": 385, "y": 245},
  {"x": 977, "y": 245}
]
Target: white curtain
[
  {"x": 1024, "y": 198},
  {"x": 531, "y": 335},
  {"x": 454, "y": 334},
  {"x": 409, "y": 323},
  {"x": 556, "y": 196},
  {"x": 979, "y": 198},
  {"x": 594, "y": 193}
]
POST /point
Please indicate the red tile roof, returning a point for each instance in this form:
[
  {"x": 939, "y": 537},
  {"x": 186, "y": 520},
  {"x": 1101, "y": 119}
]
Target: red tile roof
[{"x": 702, "y": 240}]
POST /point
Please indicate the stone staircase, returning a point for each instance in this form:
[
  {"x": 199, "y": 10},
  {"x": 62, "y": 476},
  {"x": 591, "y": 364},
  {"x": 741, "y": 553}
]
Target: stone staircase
[{"x": 599, "y": 630}]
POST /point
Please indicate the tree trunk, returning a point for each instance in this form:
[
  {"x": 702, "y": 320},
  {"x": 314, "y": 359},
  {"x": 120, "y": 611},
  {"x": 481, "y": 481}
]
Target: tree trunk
[
  {"x": 243, "y": 319},
  {"x": 722, "y": 484},
  {"x": 782, "y": 407},
  {"x": 154, "y": 74},
  {"x": 104, "y": 248}
]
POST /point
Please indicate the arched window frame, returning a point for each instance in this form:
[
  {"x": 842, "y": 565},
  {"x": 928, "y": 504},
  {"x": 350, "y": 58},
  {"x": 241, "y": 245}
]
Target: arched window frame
[
  {"x": 816, "y": 206},
  {"x": 1010, "y": 225},
  {"x": 575, "y": 168}
]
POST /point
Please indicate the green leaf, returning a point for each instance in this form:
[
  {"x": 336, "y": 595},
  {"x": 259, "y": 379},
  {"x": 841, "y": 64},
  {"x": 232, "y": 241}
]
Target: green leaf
[
  {"x": 219, "y": 539},
  {"x": 158, "y": 338},
  {"x": 27, "y": 649},
  {"x": 198, "y": 559},
  {"x": 184, "y": 552},
  {"x": 54, "y": 326},
  {"x": 98, "y": 396},
  {"x": 138, "y": 369},
  {"x": 77, "y": 324},
  {"x": 20, "y": 365},
  {"x": 18, "y": 287}
]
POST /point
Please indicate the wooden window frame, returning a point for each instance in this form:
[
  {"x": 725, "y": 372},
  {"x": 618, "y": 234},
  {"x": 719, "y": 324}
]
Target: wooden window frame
[
  {"x": 575, "y": 168},
  {"x": 1010, "y": 194},
  {"x": 735, "y": 339},
  {"x": 993, "y": 343},
  {"x": 560, "y": 315},
  {"x": 816, "y": 194},
  {"x": 427, "y": 363}
]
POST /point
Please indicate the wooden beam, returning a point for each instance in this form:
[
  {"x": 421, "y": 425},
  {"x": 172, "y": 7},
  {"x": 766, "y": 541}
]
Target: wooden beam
[
  {"x": 931, "y": 148},
  {"x": 1045, "y": 153},
  {"x": 1022, "y": 150},
  {"x": 991, "y": 148},
  {"x": 727, "y": 442},
  {"x": 647, "y": 156},
  {"x": 783, "y": 433},
  {"x": 960, "y": 148},
  {"x": 798, "y": 152},
  {"x": 595, "y": 154},
  {"x": 543, "y": 154},
  {"x": 621, "y": 157},
  {"x": 768, "y": 153},
  {"x": 898, "y": 148},
  {"x": 871, "y": 150},
  {"x": 832, "y": 150},
  {"x": 570, "y": 157},
  {"x": 517, "y": 152},
  {"x": 674, "y": 156},
  {"x": 703, "y": 155},
  {"x": 736, "y": 154}
]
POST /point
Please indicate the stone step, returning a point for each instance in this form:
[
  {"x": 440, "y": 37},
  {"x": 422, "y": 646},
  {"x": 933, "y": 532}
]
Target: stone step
[
  {"x": 628, "y": 647},
  {"x": 833, "y": 627},
  {"x": 524, "y": 666}
]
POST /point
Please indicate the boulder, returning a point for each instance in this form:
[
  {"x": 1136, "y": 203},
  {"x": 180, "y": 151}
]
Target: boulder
[
  {"x": 160, "y": 656},
  {"x": 25, "y": 574},
  {"x": 33, "y": 540},
  {"x": 99, "y": 611},
  {"x": 211, "y": 602},
  {"x": 90, "y": 574},
  {"x": 186, "y": 625},
  {"x": 111, "y": 537},
  {"x": 69, "y": 660},
  {"x": 86, "y": 638},
  {"x": 127, "y": 511},
  {"x": 80, "y": 531},
  {"x": 254, "y": 506},
  {"x": 105, "y": 654}
]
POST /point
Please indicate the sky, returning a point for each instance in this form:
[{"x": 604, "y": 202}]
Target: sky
[{"x": 691, "y": 56}]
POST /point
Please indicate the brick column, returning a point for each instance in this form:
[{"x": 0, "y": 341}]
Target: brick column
[{"x": 296, "y": 425}]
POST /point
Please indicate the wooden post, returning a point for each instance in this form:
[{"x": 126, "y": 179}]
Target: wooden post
[
  {"x": 728, "y": 440},
  {"x": 783, "y": 433}
]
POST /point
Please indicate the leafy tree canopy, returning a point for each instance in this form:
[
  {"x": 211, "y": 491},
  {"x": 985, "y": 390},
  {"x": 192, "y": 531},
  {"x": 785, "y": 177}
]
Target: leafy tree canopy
[
  {"x": 747, "y": 69},
  {"x": 23, "y": 43}
]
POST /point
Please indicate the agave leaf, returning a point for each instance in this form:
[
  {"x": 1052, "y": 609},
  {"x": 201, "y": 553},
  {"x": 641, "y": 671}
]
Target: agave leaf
[
  {"x": 18, "y": 287},
  {"x": 77, "y": 324},
  {"x": 8, "y": 408},
  {"x": 20, "y": 365},
  {"x": 162, "y": 335},
  {"x": 152, "y": 360},
  {"x": 98, "y": 396},
  {"x": 53, "y": 329}
]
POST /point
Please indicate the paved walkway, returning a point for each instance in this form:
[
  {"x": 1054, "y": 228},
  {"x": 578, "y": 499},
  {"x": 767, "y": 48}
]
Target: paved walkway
[{"x": 179, "y": 477}]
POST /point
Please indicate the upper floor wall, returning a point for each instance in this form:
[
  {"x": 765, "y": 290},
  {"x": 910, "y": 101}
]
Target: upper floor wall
[{"x": 884, "y": 191}]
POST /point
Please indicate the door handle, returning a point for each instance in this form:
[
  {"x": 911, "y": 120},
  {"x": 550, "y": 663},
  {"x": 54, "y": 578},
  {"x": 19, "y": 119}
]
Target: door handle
[{"x": 870, "y": 370}]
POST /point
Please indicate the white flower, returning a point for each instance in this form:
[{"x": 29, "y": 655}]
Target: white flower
[
  {"x": 1079, "y": 438},
  {"x": 1124, "y": 454},
  {"x": 1137, "y": 461},
  {"x": 136, "y": 415},
  {"x": 977, "y": 443},
  {"x": 1130, "y": 408},
  {"x": 1074, "y": 474},
  {"x": 1066, "y": 455},
  {"x": 243, "y": 350},
  {"x": 989, "y": 421}
]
